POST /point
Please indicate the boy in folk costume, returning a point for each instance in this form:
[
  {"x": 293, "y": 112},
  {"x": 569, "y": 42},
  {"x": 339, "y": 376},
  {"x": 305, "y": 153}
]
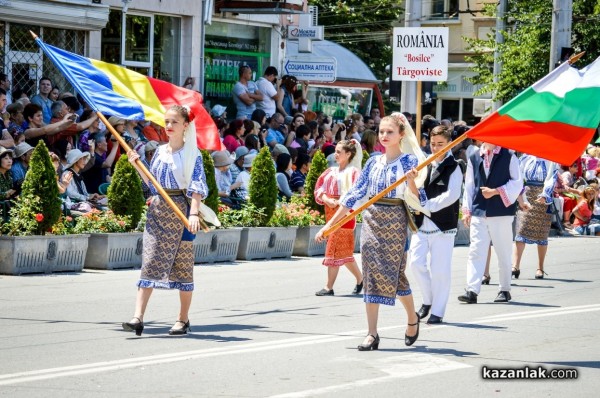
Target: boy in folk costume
[
  {"x": 436, "y": 233},
  {"x": 492, "y": 185}
]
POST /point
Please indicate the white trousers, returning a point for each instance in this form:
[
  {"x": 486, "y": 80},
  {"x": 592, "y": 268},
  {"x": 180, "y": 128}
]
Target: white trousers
[
  {"x": 433, "y": 276},
  {"x": 497, "y": 230}
]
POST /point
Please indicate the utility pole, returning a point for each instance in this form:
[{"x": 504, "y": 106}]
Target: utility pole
[
  {"x": 500, "y": 29},
  {"x": 562, "y": 15},
  {"x": 412, "y": 18}
]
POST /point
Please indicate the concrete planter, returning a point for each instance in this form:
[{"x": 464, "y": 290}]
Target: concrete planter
[
  {"x": 357, "y": 237},
  {"x": 217, "y": 245},
  {"x": 115, "y": 250},
  {"x": 305, "y": 244},
  {"x": 266, "y": 243},
  {"x": 462, "y": 235},
  {"x": 48, "y": 253}
]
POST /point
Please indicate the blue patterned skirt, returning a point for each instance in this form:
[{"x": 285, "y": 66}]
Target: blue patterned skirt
[
  {"x": 168, "y": 257},
  {"x": 383, "y": 243}
]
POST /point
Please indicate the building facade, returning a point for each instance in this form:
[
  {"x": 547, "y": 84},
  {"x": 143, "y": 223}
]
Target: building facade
[{"x": 455, "y": 99}]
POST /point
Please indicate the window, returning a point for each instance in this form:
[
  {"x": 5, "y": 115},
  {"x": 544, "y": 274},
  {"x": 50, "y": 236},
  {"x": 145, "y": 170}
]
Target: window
[
  {"x": 444, "y": 9},
  {"x": 148, "y": 44}
]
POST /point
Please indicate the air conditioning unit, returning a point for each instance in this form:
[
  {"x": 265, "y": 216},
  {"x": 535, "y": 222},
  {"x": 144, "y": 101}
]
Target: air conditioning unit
[{"x": 482, "y": 107}]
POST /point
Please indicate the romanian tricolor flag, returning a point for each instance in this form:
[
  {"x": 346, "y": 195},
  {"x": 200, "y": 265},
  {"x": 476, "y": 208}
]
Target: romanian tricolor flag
[
  {"x": 117, "y": 91},
  {"x": 554, "y": 119}
]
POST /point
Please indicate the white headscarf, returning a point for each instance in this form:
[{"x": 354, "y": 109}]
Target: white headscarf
[
  {"x": 190, "y": 151},
  {"x": 409, "y": 144}
]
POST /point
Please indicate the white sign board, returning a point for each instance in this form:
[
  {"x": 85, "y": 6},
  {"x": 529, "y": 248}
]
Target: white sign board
[
  {"x": 314, "y": 69},
  {"x": 302, "y": 32},
  {"x": 420, "y": 54}
]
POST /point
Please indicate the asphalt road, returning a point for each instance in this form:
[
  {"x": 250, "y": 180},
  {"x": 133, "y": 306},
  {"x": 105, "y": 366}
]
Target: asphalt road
[{"x": 258, "y": 330}]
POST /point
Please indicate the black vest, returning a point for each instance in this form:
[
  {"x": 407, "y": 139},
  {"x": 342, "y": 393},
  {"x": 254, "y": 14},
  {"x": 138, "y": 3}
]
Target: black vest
[
  {"x": 499, "y": 175},
  {"x": 435, "y": 185}
]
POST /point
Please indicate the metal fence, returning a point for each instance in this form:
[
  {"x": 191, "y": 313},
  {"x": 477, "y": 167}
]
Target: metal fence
[{"x": 23, "y": 61}]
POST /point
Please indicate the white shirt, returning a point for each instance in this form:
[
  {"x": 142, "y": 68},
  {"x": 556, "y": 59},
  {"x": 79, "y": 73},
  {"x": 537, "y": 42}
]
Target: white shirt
[
  {"x": 268, "y": 91},
  {"x": 445, "y": 199},
  {"x": 509, "y": 192}
]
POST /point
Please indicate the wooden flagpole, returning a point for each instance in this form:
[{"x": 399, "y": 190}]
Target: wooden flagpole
[
  {"x": 426, "y": 163},
  {"x": 381, "y": 194},
  {"x": 153, "y": 180}
]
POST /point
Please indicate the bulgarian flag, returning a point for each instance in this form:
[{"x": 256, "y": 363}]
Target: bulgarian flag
[
  {"x": 555, "y": 119},
  {"x": 117, "y": 91}
]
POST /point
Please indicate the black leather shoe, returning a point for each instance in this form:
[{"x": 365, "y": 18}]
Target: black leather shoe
[
  {"x": 410, "y": 340},
  {"x": 374, "y": 345},
  {"x": 423, "y": 311},
  {"x": 358, "y": 288},
  {"x": 469, "y": 297},
  {"x": 178, "y": 331},
  {"x": 324, "y": 292},
  {"x": 503, "y": 297},
  {"x": 516, "y": 272},
  {"x": 434, "y": 320},
  {"x": 137, "y": 327},
  {"x": 486, "y": 280},
  {"x": 540, "y": 275}
]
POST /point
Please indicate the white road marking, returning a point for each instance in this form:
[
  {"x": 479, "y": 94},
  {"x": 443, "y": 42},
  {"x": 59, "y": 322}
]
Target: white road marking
[
  {"x": 397, "y": 367},
  {"x": 75, "y": 370}
]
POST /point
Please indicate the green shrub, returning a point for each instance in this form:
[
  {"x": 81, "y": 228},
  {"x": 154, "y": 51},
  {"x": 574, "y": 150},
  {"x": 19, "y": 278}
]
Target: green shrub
[
  {"x": 125, "y": 195},
  {"x": 263, "y": 185},
  {"x": 38, "y": 207},
  {"x": 317, "y": 167},
  {"x": 364, "y": 158},
  {"x": 212, "y": 200},
  {"x": 248, "y": 216}
]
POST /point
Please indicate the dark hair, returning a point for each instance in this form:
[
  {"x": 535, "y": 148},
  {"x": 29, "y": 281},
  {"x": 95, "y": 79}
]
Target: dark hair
[
  {"x": 30, "y": 110},
  {"x": 348, "y": 146},
  {"x": 3, "y": 76},
  {"x": 60, "y": 148},
  {"x": 328, "y": 150},
  {"x": 289, "y": 82},
  {"x": 72, "y": 103},
  {"x": 248, "y": 126},
  {"x": 242, "y": 68},
  {"x": 302, "y": 131},
  {"x": 18, "y": 93},
  {"x": 2, "y": 91},
  {"x": 369, "y": 140},
  {"x": 85, "y": 115},
  {"x": 258, "y": 116},
  {"x": 234, "y": 126},
  {"x": 251, "y": 141},
  {"x": 46, "y": 78},
  {"x": 444, "y": 131},
  {"x": 282, "y": 162},
  {"x": 271, "y": 70},
  {"x": 301, "y": 160}
]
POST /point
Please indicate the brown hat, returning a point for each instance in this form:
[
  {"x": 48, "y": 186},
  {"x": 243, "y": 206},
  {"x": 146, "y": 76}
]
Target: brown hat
[
  {"x": 221, "y": 158},
  {"x": 115, "y": 121}
]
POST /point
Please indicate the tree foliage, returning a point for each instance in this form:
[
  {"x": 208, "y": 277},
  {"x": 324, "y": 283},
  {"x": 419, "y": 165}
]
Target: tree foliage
[
  {"x": 317, "y": 167},
  {"x": 363, "y": 27},
  {"x": 263, "y": 185},
  {"x": 212, "y": 200},
  {"x": 125, "y": 195},
  {"x": 38, "y": 207},
  {"x": 525, "y": 53}
]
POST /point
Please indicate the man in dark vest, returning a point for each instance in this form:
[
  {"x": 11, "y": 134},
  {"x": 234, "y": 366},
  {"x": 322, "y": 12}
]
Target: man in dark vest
[
  {"x": 435, "y": 236},
  {"x": 492, "y": 185}
]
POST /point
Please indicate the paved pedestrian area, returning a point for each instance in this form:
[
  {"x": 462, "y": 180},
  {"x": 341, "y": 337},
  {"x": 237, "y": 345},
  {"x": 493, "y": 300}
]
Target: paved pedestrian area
[{"x": 258, "y": 330}]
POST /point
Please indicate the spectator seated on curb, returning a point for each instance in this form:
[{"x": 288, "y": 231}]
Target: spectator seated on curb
[
  {"x": 77, "y": 193},
  {"x": 226, "y": 188}
]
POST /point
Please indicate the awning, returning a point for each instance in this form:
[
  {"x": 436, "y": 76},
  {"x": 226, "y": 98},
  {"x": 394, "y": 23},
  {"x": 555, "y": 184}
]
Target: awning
[
  {"x": 66, "y": 14},
  {"x": 350, "y": 68}
]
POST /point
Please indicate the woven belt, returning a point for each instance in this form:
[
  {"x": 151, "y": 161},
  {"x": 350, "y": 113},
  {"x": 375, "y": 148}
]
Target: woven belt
[
  {"x": 390, "y": 202},
  {"x": 175, "y": 192}
]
